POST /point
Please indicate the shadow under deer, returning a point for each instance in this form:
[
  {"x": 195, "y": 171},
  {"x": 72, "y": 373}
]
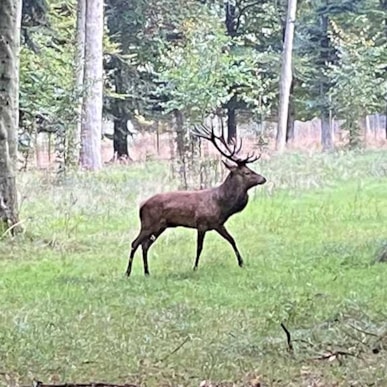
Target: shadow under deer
[{"x": 203, "y": 210}]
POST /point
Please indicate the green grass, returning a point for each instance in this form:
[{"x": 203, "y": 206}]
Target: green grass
[{"x": 309, "y": 239}]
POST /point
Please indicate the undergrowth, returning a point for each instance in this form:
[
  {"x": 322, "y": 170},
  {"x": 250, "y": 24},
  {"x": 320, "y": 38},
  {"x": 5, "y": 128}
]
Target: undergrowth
[{"x": 309, "y": 238}]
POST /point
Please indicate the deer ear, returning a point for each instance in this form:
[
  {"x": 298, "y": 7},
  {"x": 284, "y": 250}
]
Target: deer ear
[{"x": 230, "y": 167}]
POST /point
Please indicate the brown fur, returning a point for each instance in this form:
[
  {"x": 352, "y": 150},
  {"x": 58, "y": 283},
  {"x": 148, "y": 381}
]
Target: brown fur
[{"x": 203, "y": 210}]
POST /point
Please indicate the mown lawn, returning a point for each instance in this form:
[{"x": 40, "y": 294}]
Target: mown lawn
[{"x": 309, "y": 238}]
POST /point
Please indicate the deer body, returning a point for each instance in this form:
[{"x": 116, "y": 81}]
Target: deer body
[{"x": 203, "y": 210}]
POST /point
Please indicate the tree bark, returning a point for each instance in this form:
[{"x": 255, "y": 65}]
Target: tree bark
[
  {"x": 385, "y": 122},
  {"x": 383, "y": 4},
  {"x": 231, "y": 23},
  {"x": 79, "y": 78},
  {"x": 291, "y": 116},
  {"x": 326, "y": 131},
  {"x": 327, "y": 139},
  {"x": 286, "y": 76},
  {"x": 120, "y": 139},
  {"x": 231, "y": 120},
  {"x": 9, "y": 59},
  {"x": 93, "y": 100},
  {"x": 121, "y": 116}
]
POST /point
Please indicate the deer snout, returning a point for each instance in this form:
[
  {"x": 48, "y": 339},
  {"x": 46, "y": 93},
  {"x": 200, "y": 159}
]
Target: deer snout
[{"x": 262, "y": 180}]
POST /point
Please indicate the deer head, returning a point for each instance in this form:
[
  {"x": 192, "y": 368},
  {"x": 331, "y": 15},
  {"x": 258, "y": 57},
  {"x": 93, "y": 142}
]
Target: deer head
[{"x": 239, "y": 171}]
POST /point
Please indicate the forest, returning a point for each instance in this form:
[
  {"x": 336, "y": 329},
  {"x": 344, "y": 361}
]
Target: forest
[{"x": 270, "y": 115}]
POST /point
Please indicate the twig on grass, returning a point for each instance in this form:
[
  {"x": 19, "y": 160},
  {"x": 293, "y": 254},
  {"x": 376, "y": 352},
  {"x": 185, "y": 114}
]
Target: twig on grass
[
  {"x": 176, "y": 349},
  {"x": 330, "y": 356},
  {"x": 288, "y": 338},
  {"x": 363, "y": 331}
]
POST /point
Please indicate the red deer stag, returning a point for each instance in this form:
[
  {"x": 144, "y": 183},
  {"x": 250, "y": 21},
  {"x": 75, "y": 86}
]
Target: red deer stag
[{"x": 203, "y": 210}]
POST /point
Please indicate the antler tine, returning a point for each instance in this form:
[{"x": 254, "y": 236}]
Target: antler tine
[
  {"x": 202, "y": 132},
  {"x": 235, "y": 147},
  {"x": 217, "y": 140},
  {"x": 240, "y": 145},
  {"x": 209, "y": 134},
  {"x": 249, "y": 159}
]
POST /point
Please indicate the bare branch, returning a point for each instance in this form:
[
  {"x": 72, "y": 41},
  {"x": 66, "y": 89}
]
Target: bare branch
[{"x": 288, "y": 338}]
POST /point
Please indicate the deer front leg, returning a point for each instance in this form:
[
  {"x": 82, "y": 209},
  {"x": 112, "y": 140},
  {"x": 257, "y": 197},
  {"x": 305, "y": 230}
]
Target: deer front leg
[
  {"x": 199, "y": 247},
  {"x": 226, "y": 235}
]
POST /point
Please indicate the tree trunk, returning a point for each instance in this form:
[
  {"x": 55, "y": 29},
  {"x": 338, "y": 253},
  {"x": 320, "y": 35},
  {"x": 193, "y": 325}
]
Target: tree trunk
[
  {"x": 286, "y": 76},
  {"x": 290, "y": 124},
  {"x": 93, "y": 100},
  {"x": 120, "y": 139},
  {"x": 327, "y": 139},
  {"x": 326, "y": 132},
  {"x": 9, "y": 59},
  {"x": 383, "y": 6},
  {"x": 385, "y": 122},
  {"x": 79, "y": 79},
  {"x": 181, "y": 149},
  {"x": 121, "y": 116},
  {"x": 231, "y": 120},
  {"x": 291, "y": 116},
  {"x": 231, "y": 23}
]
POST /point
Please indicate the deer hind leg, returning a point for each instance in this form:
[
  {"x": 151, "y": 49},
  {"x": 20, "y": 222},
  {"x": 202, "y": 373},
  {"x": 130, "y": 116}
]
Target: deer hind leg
[
  {"x": 226, "y": 235},
  {"x": 146, "y": 244},
  {"x": 143, "y": 235},
  {"x": 199, "y": 247}
]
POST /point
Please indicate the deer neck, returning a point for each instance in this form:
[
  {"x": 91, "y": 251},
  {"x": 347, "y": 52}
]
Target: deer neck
[{"x": 231, "y": 196}]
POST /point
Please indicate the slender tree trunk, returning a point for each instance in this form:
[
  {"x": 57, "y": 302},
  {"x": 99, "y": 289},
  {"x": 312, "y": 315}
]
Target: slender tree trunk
[
  {"x": 326, "y": 131},
  {"x": 120, "y": 139},
  {"x": 286, "y": 76},
  {"x": 327, "y": 138},
  {"x": 231, "y": 120},
  {"x": 385, "y": 122},
  {"x": 181, "y": 149},
  {"x": 291, "y": 116},
  {"x": 290, "y": 125},
  {"x": 13, "y": 143},
  {"x": 231, "y": 23},
  {"x": 120, "y": 111},
  {"x": 10, "y": 11},
  {"x": 79, "y": 79},
  {"x": 383, "y": 6},
  {"x": 93, "y": 100}
]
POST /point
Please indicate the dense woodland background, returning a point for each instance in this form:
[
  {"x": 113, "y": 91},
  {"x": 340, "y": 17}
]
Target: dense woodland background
[{"x": 170, "y": 64}]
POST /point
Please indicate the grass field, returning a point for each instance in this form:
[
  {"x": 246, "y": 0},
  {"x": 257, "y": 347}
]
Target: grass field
[{"x": 309, "y": 239}]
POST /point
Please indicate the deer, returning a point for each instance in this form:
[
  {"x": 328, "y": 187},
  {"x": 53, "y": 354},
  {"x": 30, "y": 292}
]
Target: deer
[{"x": 204, "y": 210}]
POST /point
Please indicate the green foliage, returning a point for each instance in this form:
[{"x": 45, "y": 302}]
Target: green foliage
[
  {"x": 308, "y": 239},
  {"x": 46, "y": 76},
  {"x": 358, "y": 76},
  {"x": 179, "y": 55},
  {"x": 208, "y": 68}
]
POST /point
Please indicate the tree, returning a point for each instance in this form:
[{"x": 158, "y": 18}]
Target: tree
[
  {"x": 79, "y": 76},
  {"x": 47, "y": 93},
  {"x": 286, "y": 76},
  {"x": 250, "y": 25},
  {"x": 93, "y": 80},
  {"x": 359, "y": 75},
  {"x": 10, "y": 18},
  {"x": 318, "y": 54},
  {"x": 383, "y": 7}
]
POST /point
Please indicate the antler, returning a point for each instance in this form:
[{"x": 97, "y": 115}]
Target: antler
[{"x": 231, "y": 150}]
